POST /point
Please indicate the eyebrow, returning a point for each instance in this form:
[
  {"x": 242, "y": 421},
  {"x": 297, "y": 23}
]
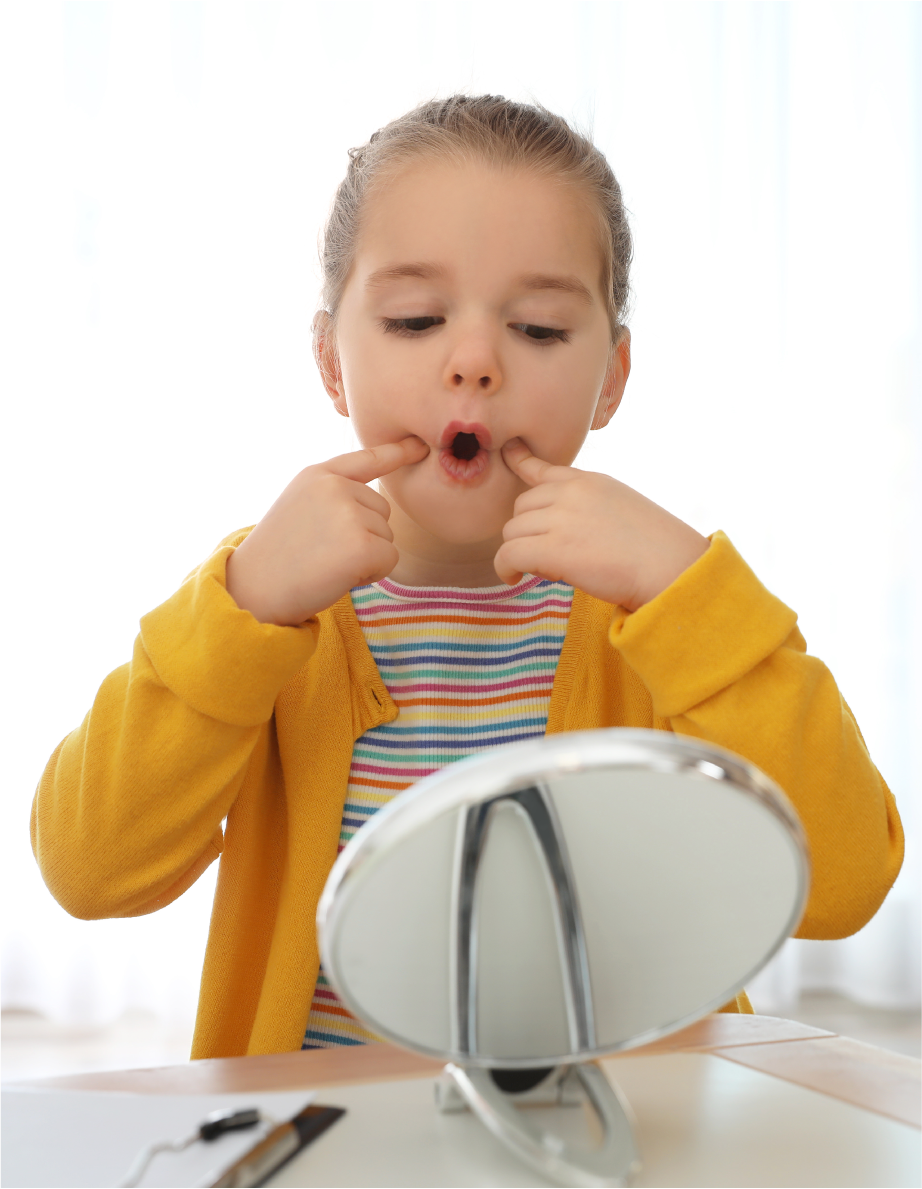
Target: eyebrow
[
  {"x": 425, "y": 271},
  {"x": 397, "y": 272},
  {"x": 572, "y": 285}
]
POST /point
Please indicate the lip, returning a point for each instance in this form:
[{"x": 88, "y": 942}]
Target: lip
[
  {"x": 469, "y": 471},
  {"x": 453, "y": 428}
]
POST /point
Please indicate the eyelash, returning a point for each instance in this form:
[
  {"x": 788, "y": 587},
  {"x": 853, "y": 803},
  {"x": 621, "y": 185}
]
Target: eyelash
[
  {"x": 550, "y": 335},
  {"x": 401, "y": 326}
]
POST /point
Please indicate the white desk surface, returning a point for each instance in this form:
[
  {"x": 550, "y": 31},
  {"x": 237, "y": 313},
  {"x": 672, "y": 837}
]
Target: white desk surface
[{"x": 733, "y": 1100}]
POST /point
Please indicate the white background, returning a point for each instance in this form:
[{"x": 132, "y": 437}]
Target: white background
[{"x": 166, "y": 170}]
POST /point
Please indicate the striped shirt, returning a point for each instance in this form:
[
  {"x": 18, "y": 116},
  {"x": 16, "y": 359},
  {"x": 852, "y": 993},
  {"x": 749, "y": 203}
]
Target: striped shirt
[{"x": 468, "y": 669}]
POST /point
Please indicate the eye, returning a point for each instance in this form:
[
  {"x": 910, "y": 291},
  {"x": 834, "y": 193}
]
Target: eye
[
  {"x": 545, "y": 335},
  {"x": 409, "y": 327}
]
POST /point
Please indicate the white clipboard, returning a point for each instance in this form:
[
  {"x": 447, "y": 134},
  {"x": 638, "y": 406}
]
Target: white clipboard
[{"x": 88, "y": 1138}]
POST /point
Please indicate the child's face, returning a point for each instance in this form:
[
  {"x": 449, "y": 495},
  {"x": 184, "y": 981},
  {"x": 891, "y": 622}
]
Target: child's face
[{"x": 474, "y": 306}]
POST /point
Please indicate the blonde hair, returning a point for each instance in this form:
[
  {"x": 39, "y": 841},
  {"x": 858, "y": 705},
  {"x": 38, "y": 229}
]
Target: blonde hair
[{"x": 504, "y": 134}]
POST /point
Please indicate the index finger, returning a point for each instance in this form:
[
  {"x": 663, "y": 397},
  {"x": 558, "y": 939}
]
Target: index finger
[
  {"x": 520, "y": 460},
  {"x": 376, "y": 461}
]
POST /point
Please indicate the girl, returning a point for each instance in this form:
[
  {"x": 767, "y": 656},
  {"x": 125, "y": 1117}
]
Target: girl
[{"x": 476, "y": 277}]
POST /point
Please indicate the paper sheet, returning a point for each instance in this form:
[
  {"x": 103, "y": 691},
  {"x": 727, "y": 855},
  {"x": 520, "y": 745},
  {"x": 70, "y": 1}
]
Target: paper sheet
[{"x": 78, "y": 1138}]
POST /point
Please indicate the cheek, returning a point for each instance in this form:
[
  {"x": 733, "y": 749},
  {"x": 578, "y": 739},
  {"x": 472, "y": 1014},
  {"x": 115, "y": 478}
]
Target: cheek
[
  {"x": 559, "y": 417},
  {"x": 380, "y": 404}
]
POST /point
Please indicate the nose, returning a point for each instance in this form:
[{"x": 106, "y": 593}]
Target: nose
[{"x": 473, "y": 367}]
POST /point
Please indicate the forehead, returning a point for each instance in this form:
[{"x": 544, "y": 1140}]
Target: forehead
[{"x": 481, "y": 223}]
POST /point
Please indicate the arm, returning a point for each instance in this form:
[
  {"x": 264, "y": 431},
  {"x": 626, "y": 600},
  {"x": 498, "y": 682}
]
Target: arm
[
  {"x": 724, "y": 661},
  {"x": 128, "y": 812}
]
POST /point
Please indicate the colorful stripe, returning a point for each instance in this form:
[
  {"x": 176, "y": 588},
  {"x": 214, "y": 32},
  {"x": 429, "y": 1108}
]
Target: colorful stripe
[{"x": 468, "y": 670}]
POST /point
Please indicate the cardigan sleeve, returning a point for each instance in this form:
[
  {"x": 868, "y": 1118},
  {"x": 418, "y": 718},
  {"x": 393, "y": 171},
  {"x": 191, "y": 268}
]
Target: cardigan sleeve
[
  {"x": 128, "y": 811},
  {"x": 724, "y": 661}
]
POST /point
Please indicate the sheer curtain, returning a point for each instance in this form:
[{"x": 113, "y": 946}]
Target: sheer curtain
[{"x": 168, "y": 169}]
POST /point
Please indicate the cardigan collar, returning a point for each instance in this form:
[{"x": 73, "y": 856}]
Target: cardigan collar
[{"x": 375, "y": 705}]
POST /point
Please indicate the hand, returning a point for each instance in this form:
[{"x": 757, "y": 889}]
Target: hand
[
  {"x": 593, "y": 532},
  {"x": 326, "y": 533}
]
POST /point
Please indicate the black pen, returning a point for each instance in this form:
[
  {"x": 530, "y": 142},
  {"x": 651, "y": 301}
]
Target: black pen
[{"x": 283, "y": 1142}]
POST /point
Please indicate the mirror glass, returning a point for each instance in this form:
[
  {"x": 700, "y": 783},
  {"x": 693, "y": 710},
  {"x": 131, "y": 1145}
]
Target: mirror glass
[{"x": 561, "y": 898}]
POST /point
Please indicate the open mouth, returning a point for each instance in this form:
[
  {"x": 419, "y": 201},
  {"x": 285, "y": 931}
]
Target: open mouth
[
  {"x": 465, "y": 452},
  {"x": 465, "y": 446}
]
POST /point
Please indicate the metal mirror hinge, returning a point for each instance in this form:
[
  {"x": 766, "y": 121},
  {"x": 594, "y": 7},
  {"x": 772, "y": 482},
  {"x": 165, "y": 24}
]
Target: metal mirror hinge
[{"x": 561, "y": 1087}]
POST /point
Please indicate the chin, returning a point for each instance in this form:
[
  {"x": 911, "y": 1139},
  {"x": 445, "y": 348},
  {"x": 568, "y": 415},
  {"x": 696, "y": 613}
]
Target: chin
[
  {"x": 454, "y": 526},
  {"x": 458, "y": 516},
  {"x": 457, "y": 521}
]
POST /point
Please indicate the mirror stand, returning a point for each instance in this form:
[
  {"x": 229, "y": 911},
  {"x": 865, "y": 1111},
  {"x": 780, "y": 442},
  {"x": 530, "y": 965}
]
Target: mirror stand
[
  {"x": 497, "y": 1096},
  {"x": 499, "y": 1107},
  {"x": 526, "y": 910}
]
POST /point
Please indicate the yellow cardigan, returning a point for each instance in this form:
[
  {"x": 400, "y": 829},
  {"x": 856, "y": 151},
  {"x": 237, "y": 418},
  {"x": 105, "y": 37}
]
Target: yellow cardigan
[{"x": 218, "y": 716}]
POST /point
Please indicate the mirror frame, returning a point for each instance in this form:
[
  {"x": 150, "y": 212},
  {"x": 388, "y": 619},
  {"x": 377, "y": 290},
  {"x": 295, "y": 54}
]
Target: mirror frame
[{"x": 504, "y": 771}]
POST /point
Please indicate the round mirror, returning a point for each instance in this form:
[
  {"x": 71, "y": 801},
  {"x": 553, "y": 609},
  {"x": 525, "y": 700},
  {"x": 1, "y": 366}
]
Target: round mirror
[{"x": 554, "y": 900}]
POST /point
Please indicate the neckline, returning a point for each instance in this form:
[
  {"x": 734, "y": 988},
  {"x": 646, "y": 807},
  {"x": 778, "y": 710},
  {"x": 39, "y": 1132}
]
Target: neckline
[{"x": 469, "y": 594}]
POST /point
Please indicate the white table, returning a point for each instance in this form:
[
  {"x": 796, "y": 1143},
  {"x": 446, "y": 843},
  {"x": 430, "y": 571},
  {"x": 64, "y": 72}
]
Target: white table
[{"x": 733, "y": 1100}]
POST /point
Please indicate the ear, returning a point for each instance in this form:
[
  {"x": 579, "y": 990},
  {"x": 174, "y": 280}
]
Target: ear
[
  {"x": 326, "y": 356},
  {"x": 616, "y": 374}
]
